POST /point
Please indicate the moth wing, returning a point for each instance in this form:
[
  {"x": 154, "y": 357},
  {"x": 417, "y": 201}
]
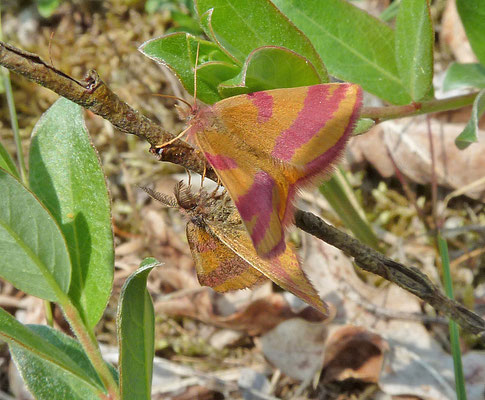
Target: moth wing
[
  {"x": 264, "y": 145},
  {"x": 285, "y": 270},
  {"x": 217, "y": 265}
]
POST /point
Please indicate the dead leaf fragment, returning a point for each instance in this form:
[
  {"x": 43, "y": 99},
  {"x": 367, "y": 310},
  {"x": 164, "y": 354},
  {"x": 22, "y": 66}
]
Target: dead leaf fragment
[
  {"x": 354, "y": 352},
  {"x": 406, "y": 145},
  {"x": 295, "y": 347}
]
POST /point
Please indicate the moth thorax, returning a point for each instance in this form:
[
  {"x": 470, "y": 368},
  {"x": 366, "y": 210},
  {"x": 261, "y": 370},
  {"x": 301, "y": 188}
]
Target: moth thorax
[
  {"x": 198, "y": 220},
  {"x": 203, "y": 118}
]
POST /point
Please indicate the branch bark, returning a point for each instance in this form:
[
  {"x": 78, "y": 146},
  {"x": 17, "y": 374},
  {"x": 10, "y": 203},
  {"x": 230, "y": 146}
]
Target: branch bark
[{"x": 93, "y": 94}]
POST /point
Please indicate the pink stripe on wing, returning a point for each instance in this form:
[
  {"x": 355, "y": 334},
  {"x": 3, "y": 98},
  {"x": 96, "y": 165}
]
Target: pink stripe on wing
[
  {"x": 276, "y": 250},
  {"x": 317, "y": 110},
  {"x": 258, "y": 201},
  {"x": 220, "y": 162},
  {"x": 320, "y": 163},
  {"x": 264, "y": 103}
]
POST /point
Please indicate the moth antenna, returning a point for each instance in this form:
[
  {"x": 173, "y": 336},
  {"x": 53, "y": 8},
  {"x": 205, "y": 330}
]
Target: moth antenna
[
  {"x": 169, "y": 201},
  {"x": 169, "y": 96},
  {"x": 195, "y": 74},
  {"x": 184, "y": 196},
  {"x": 179, "y": 136}
]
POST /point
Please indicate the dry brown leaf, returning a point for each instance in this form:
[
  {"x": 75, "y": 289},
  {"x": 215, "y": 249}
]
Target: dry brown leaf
[
  {"x": 195, "y": 304},
  {"x": 264, "y": 314},
  {"x": 353, "y": 352},
  {"x": 415, "y": 363},
  {"x": 406, "y": 143},
  {"x": 295, "y": 347},
  {"x": 256, "y": 318}
]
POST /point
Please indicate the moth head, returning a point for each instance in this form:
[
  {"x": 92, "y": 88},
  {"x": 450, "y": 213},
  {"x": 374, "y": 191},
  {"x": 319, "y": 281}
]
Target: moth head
[{"x": 186, "y": 111}]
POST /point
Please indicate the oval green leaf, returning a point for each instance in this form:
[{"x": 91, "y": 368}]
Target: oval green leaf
[
  {"x": 243, "y": 26},
  {"x": 355, "y": 46},
  {"x": 31, "y": 339},
  {"x": 414, "y": 47},
  {"x": 469, "y": 134},
  {"x": 50, "y": 380},
  {"x": 271, "y": 67},
  {"x": 178, "y": 52},
  {"x": 7, "y": 163},
  {"x": 136, "y": 334},
  {"x": 472, "y": 14},
  {"x": 66, "y": 175},
  {"x": 464, "y": 75},
  {"x": 35, "y": 257}
]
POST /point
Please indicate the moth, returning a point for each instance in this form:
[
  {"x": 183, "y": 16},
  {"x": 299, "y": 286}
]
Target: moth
[
  {"x": 266, "y": 145},
  {"x": 224, "y": 256}
]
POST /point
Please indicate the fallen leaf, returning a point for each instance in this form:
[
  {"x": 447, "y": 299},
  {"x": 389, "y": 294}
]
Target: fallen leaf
[
  {"x": 406, "y": 145},
  {"x": 353, "y": 352},
  {"x": 295, "y": 347}
]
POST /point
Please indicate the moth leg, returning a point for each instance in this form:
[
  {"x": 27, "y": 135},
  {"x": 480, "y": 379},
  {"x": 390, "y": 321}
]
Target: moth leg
[
  {"x": 202, "y": 177},
  {"x": 189, "y": 181},
  {"x": 213, "y": 194},
  {"x": 179, "y": 136}
]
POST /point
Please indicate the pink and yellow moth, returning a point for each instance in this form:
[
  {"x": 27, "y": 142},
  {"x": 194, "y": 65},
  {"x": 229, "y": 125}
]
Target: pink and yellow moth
[
  {"x": 266, "y": 145},
  {"x": 223, "y": 253}
]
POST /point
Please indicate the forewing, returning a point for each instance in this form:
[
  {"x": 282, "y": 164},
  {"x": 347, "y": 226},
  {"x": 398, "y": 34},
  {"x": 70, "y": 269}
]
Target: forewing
[
  {"x": 217, "y": 265},
  {"x": 284, "y": 270},
  {"x": 264, "y": 145}
]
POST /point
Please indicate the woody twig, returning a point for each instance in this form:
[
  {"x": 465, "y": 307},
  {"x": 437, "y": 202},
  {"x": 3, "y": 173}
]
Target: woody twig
[{"x": 93, "y": 94}]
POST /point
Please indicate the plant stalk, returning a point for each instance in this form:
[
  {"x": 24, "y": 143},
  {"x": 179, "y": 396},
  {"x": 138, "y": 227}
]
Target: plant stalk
[
  {"x": 380, "y": 114},
  {"x": 90, "y": 345}
]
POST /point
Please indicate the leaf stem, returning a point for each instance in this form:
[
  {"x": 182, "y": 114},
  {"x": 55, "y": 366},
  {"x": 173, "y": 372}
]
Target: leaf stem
[
  {"x": 90, "y": 345},
  {"x": 380, "y": 114}
]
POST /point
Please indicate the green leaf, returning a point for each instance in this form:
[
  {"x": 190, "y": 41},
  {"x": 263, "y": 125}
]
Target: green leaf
[
  {"x": 341, "y": 197},
  {"x": 355, "y": 46},
  {"x": 66, "y": 175},
  {"x": 34, "y": 255},
  {"x": 271, "y": 67},
  {"x": 7, "y": 163},
  {"x": 185, "y": 23},
  {"x": 469, "y": 134},
  {"x": 178, "y": 52},
  {"x": 464, "y": 75},
  {"x": 414, "y": 47},
  {"x": 472, "y": 14},
  {"x": 209, "y": 78},
  {"x": 240, "y": 27},
  {"x": 35, "y": 340},
  {"x": 47, "y": 7},
  {"x": 136, "y": 334},
  {"x": 363, "y": 125},
  {"x": 49, "y": 380}
]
